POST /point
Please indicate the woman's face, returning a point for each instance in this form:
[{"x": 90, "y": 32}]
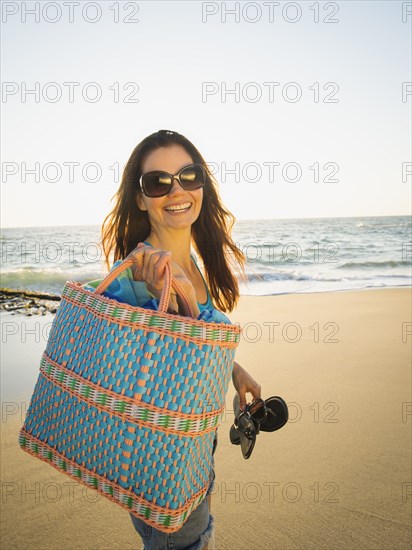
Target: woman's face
[{"x": 170, "y": 159}]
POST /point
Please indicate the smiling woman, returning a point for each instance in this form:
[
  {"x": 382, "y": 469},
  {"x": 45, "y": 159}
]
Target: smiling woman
[
  {"x": 168, "y": 202},
  {"x": 175, "y": 201},
  {"x": 138, "y": 215}
]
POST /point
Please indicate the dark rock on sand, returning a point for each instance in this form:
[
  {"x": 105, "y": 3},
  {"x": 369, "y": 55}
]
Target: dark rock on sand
[{"x": 28, "y": 302}]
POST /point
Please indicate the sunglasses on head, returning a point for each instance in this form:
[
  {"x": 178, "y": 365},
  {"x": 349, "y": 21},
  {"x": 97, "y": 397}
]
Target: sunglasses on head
[{"x": 158, "y": 183}]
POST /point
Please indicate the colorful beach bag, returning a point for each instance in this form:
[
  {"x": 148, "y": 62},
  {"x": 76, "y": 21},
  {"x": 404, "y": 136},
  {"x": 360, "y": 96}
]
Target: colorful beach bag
[{"x": 128, "y": 400}]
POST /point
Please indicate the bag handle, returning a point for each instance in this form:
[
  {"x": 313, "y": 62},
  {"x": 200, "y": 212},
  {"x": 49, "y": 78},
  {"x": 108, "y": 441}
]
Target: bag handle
[{"x": 165, "y": 296}]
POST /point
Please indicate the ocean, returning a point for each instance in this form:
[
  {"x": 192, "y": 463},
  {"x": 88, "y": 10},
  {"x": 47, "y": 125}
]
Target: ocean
[{"x": 283, "y": 256}]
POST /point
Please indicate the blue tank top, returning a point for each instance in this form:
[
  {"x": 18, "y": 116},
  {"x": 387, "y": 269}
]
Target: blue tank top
[{"x": 208, "y": 305}]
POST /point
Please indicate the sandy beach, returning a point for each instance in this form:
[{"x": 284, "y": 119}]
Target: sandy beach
[{"x": 337, "y": 476}]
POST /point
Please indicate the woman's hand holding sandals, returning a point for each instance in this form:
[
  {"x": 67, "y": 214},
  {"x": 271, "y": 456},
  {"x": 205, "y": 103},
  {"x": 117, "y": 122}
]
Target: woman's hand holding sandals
[
  {"x": 244, "y": 383},
  {"x": 151, "y": 267}
]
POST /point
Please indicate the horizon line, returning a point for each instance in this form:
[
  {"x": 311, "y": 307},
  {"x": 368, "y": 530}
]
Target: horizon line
[{"x": 236, "y": 220}]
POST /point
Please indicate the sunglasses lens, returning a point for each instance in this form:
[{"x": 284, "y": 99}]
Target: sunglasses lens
[
  {"x": 193, "y": 177},
  {"x": 156, "y": 184}
]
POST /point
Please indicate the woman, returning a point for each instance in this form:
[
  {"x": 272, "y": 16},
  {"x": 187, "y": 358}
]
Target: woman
[{"x": 164, "y": 214}]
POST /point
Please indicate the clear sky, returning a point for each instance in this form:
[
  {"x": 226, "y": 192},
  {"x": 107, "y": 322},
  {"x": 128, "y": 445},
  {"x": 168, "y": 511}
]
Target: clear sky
[{"x": 350, "y": 123}]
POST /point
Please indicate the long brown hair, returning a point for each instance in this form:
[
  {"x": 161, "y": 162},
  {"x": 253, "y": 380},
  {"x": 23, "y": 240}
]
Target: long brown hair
[{"x": 126, "y": 225}]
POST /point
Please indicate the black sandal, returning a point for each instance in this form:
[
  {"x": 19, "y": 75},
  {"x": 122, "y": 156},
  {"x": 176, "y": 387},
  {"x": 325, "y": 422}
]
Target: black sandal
[
  {"x": 277, "y": 414},
  {"x": 243, "y": 432},
  {"x": 268, "y": 416}
]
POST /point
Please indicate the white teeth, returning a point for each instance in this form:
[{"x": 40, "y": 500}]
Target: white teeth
[{"x": 180, "y": 207}]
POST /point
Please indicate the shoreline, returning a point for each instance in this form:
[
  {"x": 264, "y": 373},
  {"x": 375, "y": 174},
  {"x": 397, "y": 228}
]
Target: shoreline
[{"x": 32, "y": 302}]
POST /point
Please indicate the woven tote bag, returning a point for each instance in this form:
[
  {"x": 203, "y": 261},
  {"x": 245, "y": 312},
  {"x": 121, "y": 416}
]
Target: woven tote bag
[{"x": 128, "y": 400}]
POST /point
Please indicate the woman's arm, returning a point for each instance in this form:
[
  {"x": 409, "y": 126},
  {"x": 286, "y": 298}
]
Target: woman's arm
[{"x": 244, "y": 383}]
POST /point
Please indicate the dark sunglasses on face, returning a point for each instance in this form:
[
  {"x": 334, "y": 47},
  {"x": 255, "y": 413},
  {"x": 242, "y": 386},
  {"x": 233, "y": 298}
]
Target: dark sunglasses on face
[{"x": 158, "y": 183}]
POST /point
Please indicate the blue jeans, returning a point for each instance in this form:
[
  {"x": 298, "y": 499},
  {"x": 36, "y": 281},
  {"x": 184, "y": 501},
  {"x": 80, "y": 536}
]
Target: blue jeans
[{"x": 195, "y": 532}]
